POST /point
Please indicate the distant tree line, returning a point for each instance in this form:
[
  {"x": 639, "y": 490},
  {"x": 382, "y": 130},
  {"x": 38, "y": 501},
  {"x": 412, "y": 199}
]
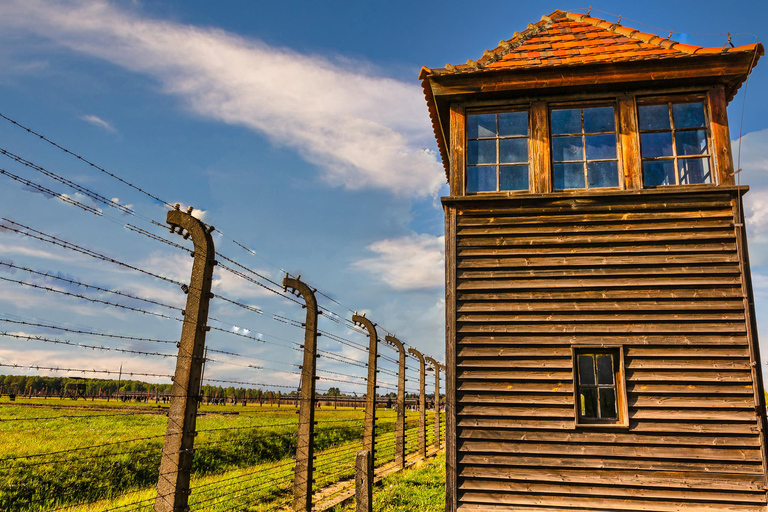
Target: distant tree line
[
  {"x": 35, "y": 385},
  {"x": 28, "y": 384},
  {"x": 52, "y": 386}
]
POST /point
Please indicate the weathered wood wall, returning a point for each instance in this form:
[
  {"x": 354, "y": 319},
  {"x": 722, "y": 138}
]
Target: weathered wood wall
[{"x": 660, "y": 273}]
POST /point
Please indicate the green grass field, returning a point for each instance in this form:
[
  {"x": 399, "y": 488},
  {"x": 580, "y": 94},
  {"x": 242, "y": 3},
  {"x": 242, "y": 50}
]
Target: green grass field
[
  {"x": 419, "y": 489},
  {"x": 97, "y": 455}
]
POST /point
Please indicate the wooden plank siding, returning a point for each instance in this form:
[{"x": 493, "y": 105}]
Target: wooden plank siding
[{"x": 659, "y": 275}]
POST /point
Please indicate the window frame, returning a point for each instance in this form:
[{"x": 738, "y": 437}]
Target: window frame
[
  {"x": 526, "y": 107},
  {"x": 596, "y": 103},
  {"x": 669, "y": 100},
  {"x": 622, "y": 409},
  {"x": 629, "y": 152}
]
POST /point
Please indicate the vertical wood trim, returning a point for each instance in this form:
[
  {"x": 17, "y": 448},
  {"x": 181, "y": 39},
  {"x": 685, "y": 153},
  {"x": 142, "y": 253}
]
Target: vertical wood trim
[
  {"x": 630, "y": 143},
  {"x": 621, "y": 389},
  {"x": 751, "y": 325},
  {"x": 458, "y": 144},
  {"x": 451, "y": 489},
  {"x": 721, "y": 137},
  {"x": 539, "y": 148},
  {"x": 575, "y": 379}
]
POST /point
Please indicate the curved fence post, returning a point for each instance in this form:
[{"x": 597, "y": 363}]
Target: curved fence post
[
  {"x": 436, "y": 367},
  {"x": 400, "y": 421},
  {"x": 176, "y": 461},
  {"x": 422, "y": 404},
  {"x": 302, "y": 481},
  {"x": 369, "y": 428}
]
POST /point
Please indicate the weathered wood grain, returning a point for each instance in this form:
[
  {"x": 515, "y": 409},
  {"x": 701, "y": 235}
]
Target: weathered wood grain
[{"x": 661, "y": 276}]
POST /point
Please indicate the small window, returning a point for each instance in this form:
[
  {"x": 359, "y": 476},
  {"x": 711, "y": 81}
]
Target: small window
[
  {"x": 674, "y": 144},
  {"x": 497, "y": 152},
  {"x": 599, "y": 387},
  {"x": 584, "y": 148}
]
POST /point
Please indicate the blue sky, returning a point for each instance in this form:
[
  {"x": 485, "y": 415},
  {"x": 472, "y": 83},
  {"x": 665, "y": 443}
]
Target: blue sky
[{"x": 299, "y": 128}]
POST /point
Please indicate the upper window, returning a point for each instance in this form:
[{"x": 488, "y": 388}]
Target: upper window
[
  {"x": 674, "y": 144},
  {"x": 584, "y": 148},
  {"x": 599, "y": 386},
  {"x": 497, "y": 152}
]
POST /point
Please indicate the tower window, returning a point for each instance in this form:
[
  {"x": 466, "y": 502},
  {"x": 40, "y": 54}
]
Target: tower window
[
  {"x": 674, "y": 144},
  {"x": 584, "y": 148},
  {"x": 497, "y": 152}
]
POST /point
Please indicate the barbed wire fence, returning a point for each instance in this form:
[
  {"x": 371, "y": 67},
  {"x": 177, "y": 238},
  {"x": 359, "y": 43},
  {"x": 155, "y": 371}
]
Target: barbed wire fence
[{"x": 226, "y": 416}]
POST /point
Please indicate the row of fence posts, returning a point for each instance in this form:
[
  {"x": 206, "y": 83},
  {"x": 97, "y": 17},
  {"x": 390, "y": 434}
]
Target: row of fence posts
[{"x": 173, "y": 487}]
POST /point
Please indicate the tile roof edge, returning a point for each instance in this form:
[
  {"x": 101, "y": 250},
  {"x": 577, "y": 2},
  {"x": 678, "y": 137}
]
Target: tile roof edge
[{"x": 437, "y": 128}]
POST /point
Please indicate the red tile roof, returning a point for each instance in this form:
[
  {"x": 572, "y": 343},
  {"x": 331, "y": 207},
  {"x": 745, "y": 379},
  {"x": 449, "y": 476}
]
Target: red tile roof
[
  {"x": 566, "y": 38},
  {"x": 570, "y": 39}
]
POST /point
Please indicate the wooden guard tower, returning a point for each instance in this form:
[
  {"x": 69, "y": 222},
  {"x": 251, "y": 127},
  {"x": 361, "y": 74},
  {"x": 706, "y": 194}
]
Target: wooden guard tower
[{"x": 601, "y": 340}]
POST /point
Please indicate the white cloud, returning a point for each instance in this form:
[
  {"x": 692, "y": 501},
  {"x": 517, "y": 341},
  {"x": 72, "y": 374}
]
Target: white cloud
[
  {"x": 22, "y": 250},
  {"x": 97, "y": 121},
  {"x": 754, "y": 162},
  {"x": 407, "y": 263},
  {"x": 82, "y": 360},
  {"x": 754, "y": 159},
  {"x": 363, "y": 130}
]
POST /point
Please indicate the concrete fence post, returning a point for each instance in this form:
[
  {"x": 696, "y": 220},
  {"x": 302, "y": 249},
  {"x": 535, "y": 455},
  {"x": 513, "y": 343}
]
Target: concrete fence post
[
  {"x": 363, "y": 481},
  {"x": 369, "y": 428},
  {"x": 422, "y": 404},
  {"x": 400, "y": 420},
  {"x": 303, "y": 476},
  {"x": 436, "y": 368},
  {"x": 176, "y": 461}
]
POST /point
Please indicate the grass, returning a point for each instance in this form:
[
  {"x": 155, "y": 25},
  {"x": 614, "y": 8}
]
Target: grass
[
  {"x": 421, "y": 488},
  {"x": 92, "y": 456}
]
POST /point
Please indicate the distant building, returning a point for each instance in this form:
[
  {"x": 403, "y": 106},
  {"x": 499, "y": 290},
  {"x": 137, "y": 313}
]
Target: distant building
[{"x": 601, "y": 341}]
